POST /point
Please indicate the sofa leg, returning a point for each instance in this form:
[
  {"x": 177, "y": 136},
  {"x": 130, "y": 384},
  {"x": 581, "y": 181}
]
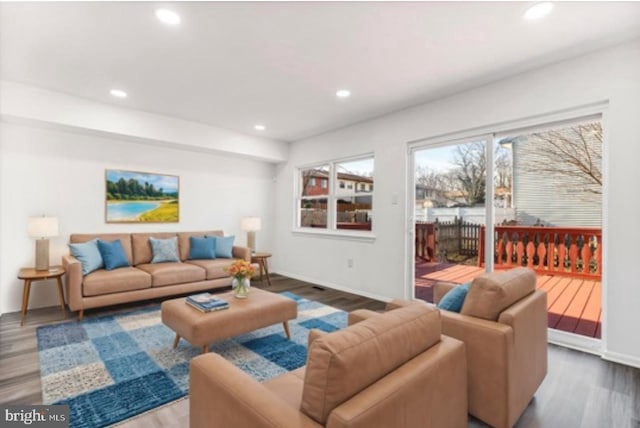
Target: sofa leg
[
  {"x": 80, "y": 314},
  {"x": 176, "y": 340},
  {"x": 205, "y": 349},
  {"x": 286, "y": 329}
]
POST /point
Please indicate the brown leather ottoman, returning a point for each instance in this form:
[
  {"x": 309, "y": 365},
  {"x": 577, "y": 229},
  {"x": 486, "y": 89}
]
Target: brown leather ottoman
[{"x": 260, "y": 309}]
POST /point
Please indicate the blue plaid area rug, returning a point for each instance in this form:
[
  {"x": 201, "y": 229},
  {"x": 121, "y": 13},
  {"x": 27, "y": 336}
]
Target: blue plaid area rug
[{"x": 110, "y": 368}]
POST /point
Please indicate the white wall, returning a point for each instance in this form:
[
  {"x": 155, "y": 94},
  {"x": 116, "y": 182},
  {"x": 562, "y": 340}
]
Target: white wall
[
  {"x": 379, "y": 267},
  {"x": 62, "y": 173}
]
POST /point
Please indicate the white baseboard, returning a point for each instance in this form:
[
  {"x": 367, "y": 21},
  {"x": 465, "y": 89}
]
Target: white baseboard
[
  {"x": 575, "y": 341},
  {"x": 616, "y": 357},
  {"x": 333, "y": 286}
]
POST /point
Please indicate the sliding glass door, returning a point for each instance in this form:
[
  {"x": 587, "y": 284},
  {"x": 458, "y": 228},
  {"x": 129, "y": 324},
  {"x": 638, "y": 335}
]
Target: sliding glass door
[
  {"x": 450, "y": 211},
  {"x": 528, "y": 197}
]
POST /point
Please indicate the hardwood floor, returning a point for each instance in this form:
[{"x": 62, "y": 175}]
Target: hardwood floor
[{"x": 580, "y": 390}]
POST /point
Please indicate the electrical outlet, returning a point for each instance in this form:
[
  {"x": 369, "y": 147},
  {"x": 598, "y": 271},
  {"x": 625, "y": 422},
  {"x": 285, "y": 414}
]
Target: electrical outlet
[{"x": 350, "y": 263}]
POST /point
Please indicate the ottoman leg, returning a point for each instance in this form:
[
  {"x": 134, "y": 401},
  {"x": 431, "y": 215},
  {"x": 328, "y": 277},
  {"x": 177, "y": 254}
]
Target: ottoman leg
[
  {"x": 286, "y": 329},
  {"x": 205, "y": 349},
  {"x": 176, "y": 340}
]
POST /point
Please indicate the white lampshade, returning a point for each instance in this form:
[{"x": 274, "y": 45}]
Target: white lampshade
[
  {"x": 42, "y": 227},
  {"x": 251, "y": 224}
]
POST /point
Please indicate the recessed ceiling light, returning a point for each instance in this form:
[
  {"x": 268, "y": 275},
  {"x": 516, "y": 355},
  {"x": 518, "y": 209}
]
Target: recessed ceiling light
[
  {"x": 343, "y": 93},
  {"x": 260, "y": 127},
  {"x": 538, "y": 10},
  {"x": 118, "y": 93},
  {"x": 168, "y": 16}
]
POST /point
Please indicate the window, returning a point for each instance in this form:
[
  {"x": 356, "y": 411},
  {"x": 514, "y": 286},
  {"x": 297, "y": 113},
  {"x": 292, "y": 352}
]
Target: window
[
  {"x": 341, "y": 207},
  {"x": 312, "y": 204}
]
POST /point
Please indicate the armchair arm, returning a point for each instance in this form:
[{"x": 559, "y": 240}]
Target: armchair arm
[
  {"x": 401, "y": 303},
  {"x": 241, "y": 253},
  {"x": 528, "y": 319},
  {"x": 490, "y": 360},
  {"x": 358, "y": 315},
  {"x": 440, "y": 289},
  {"x": 73, "y": 282},
  {"x": 221, "y": 395}
]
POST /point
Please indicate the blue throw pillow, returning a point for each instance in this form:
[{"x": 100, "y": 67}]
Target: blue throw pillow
[
  {"x": 112, "y": 254},
  {"x": 454, "y": 299},
  {"x": 88, "y": 254},
  {"x": 224, "y": 246},
  {"x": 202, "y": 248},
  {"x": 164, "y": 250}
]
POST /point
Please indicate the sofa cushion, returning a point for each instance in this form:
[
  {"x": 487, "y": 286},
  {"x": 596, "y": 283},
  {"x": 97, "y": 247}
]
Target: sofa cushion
[
  {"x": 125, "y": 240},
  {"x": 215, "y": 268},
  {"x": 88, "y": 254},
  {"x": 224, "y": 246},
  {"x": 141, "y": 246},
  {"x": 164, "y": 250},
  {"x": 172, "y": 273},
  {"x": 454, "y": 299},
  {"x": 113, "y": 254},
  {"x": 185, "y": 245},
  {"x": 115, "y": 281},
  {"x": 491, "y": 293},
  {"x": 342, "y": 363},
  {"x": 202, "y": 248}
]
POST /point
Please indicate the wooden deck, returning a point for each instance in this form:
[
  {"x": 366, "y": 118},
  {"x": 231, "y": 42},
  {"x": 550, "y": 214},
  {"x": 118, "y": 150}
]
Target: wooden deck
[{"x": 574, "y": 304}]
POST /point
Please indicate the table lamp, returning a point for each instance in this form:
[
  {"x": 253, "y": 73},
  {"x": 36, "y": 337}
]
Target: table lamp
[
  {"x": 251, "y": 225},
  {"x": 42, "y": 228}
]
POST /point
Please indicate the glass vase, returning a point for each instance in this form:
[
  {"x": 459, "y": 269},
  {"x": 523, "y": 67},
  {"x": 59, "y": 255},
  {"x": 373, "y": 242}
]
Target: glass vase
[{"x": 241, "y": 287}]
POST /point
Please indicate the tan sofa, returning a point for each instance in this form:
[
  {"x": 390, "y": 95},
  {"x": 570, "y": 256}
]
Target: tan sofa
[
  {"x": 503, "y": 324},
  {"x": 144, "y": 280},
  {"x": 391, "y": 370}
]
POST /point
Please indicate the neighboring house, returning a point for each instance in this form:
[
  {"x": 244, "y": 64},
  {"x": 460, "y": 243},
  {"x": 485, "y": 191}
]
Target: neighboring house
[
  {"x": 350, "y": 183},
  {"x": 456, "y": 198},
  {"x": 429, "y": 197},
  {"x": 317, "y": 183},
  {"x": 542, "y": 197}
]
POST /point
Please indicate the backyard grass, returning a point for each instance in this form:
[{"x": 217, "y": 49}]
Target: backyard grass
[{"x": 168, "y": 211}]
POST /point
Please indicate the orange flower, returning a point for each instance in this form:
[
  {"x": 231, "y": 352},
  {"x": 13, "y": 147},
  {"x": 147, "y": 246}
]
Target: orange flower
[{"x": 241, "y": 269}]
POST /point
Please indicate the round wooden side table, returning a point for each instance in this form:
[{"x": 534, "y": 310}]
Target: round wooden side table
[
  {"x": 30, "y": 275},
  {"x": 261, "y": 259}
]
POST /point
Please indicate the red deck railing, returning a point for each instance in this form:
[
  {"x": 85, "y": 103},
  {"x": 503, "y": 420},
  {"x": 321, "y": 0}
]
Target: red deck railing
[{"x": 565, "y": 251}]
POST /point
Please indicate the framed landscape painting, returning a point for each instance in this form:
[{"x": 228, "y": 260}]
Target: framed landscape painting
[{"x": 141, "y": 197}]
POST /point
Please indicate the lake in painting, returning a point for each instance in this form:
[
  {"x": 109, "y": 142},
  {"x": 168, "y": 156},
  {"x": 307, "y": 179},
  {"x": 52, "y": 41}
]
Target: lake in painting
[{"x": 130, "y": 210}]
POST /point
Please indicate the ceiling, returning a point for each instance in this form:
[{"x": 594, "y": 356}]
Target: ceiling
[{"x": 236, "y": 64}]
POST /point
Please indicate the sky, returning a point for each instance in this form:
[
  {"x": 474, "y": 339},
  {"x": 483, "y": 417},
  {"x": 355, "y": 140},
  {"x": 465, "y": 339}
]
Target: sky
[
  {"x": 438, "y": 158},
  {"x": 168, "y": 183}
]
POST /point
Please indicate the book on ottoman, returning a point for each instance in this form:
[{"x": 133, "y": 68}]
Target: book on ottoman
[{"x": 206, "y": 302}]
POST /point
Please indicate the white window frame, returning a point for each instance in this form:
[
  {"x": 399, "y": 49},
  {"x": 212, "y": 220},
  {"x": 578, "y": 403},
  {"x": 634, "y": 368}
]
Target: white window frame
[{"x": 332, "y": 198}]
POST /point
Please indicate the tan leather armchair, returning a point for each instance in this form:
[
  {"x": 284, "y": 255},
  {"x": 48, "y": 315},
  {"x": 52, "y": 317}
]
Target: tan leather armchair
[
  {"x": 392, "y": 370},
  {"x": 503, "y": 324}
]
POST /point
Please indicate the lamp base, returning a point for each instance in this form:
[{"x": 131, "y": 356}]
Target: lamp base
[
  {"x": 42, "y": 254},
  {"x": 251, "y": 241}
]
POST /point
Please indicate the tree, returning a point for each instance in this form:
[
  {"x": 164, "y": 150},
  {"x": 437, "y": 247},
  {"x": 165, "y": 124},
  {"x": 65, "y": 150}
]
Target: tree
[
  {"x": 574, "y": 152},
  {"x": 503, "y": 168},
  {"x": 471, "y": 168}
]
